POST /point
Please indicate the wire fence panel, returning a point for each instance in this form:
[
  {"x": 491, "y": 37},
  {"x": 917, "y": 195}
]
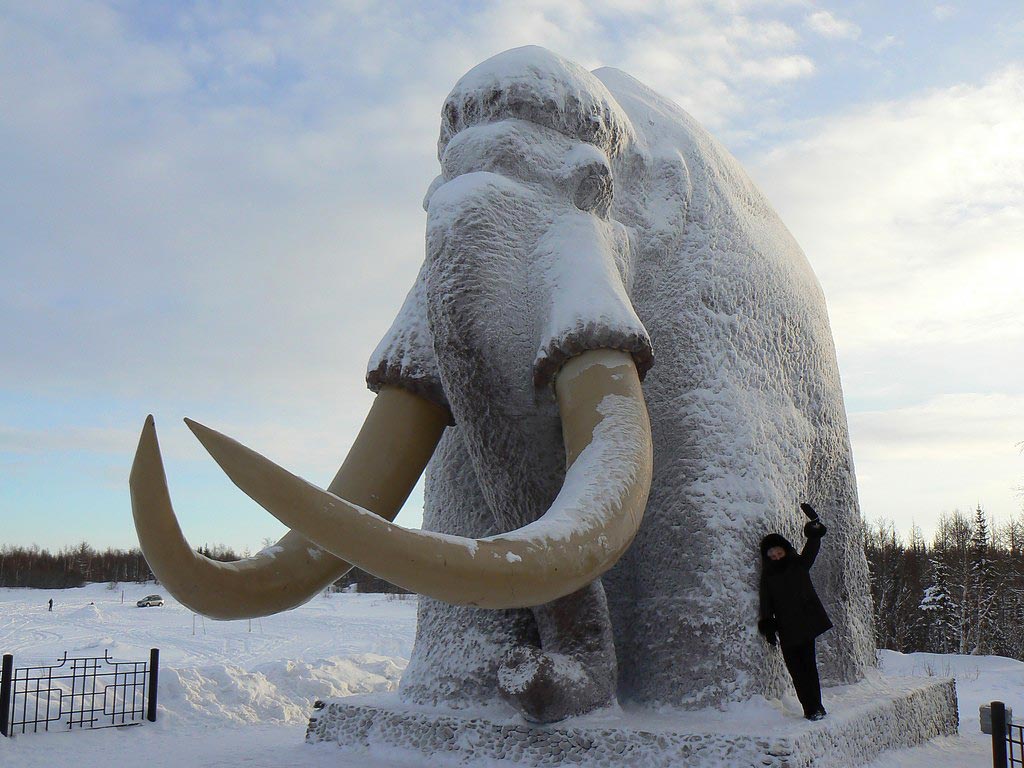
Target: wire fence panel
[{"x": 77, "y": 693}]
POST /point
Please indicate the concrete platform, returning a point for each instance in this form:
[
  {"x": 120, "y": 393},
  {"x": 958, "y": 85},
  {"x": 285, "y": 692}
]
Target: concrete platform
[{"x": 864, "y": 719}]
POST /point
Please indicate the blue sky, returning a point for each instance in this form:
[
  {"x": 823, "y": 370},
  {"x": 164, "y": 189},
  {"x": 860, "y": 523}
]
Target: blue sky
[{"x": 213, "y": 210}]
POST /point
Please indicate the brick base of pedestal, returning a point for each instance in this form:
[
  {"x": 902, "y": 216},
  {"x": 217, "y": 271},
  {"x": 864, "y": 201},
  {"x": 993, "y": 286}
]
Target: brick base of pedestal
[{"x": 864, "y": 720}]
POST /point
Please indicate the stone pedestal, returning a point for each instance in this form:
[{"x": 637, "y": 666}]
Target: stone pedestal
[{"x": 864, "y": 720}]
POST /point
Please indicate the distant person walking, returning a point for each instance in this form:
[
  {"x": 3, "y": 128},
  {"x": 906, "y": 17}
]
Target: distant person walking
[
  {"x": 790, "y": 608},
  {"x": 51, "y": 605}
]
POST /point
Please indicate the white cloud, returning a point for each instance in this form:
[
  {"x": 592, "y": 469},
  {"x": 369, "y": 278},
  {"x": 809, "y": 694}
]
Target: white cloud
[
  {"x": 944, "y": 11},
  {"x": 780, "y": 69},
  {"x": 889, "y": 41},
  {"x": 950, "y": 452},
  {"x": 828, "y": 25},
  {"x": 713, "y": 62},
  {"x": 913, "y": 213},
  {"x": 965, "y": 426}
]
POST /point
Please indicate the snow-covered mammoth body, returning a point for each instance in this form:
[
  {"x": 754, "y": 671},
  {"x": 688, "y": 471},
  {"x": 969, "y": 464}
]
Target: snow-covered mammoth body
[{"x": 580, "y": 225}]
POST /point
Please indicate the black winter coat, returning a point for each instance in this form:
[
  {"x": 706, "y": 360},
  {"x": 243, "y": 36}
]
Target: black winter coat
[{"x": 788, "y": 598}]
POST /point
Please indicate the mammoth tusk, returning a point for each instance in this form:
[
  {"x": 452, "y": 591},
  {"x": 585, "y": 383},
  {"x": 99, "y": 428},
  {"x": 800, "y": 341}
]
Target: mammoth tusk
[
  {"x": 384, "y": 463},
  {"x": 590, "y": 524}
]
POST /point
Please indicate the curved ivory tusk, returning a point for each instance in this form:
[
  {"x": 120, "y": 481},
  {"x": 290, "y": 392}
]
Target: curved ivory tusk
[
  {"x": 387, "y": 458},
  {"x": 588, "y": 527}
]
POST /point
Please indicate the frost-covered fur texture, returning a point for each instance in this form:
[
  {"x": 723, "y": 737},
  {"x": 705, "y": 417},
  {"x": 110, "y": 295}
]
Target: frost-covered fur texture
[{"x": 578, "y": 211}]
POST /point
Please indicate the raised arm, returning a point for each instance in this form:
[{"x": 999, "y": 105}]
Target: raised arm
[{"x": 813, "y": 530}]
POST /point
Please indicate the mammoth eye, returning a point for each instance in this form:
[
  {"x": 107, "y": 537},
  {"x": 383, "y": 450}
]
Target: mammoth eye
[{"x": 594, "y": 191}]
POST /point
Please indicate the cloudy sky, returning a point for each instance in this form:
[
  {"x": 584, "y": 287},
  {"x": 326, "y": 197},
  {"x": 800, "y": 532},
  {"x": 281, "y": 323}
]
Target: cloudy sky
[{"x": 213, "y": 210}]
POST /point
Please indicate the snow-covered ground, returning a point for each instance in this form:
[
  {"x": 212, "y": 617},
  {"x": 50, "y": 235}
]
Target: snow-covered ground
[{"x": 238, "y": 693}]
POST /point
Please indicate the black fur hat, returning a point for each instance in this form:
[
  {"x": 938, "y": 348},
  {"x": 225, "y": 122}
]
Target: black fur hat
[{"x": 775, "y": 540}]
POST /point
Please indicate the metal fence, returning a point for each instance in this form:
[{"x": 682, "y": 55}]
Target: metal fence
[
  {"x": 81, "y": 692},
  {"x": 1007, "y": 739}
]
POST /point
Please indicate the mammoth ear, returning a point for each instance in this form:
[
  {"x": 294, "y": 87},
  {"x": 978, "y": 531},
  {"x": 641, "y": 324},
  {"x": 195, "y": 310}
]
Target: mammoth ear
[{"x": 405, "y": 356}]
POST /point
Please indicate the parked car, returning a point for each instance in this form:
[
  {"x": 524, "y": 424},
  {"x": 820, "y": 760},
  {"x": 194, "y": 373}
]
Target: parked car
[{"x": 150, "y": 600}]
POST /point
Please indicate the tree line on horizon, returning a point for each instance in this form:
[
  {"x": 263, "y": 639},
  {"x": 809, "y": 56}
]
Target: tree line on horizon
[
  {"x": 961, "y": 592},
  {"x": 82, "y": 564}
]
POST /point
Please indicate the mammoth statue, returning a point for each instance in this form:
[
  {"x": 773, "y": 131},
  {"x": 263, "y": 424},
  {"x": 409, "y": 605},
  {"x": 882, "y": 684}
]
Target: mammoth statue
[{"x": 616, "y": 367}]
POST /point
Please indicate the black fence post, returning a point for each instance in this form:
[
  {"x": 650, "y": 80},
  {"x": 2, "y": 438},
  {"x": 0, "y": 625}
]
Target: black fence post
[
  {"x": 6, "y": 678},
  {"x": 154, "y": 677},
  {"x": 998, "y": 734}
]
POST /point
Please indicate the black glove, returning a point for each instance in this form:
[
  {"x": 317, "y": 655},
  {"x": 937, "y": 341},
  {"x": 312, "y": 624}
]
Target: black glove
[
  {"x": 768, "y": 629},
  {"x": 808, "y": 510},
  {"x": 815, "y": 529}
]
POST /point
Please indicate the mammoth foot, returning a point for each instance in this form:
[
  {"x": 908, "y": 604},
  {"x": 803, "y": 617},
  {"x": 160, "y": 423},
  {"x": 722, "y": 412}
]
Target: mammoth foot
[
  {"x": 574, "y": 671},
  {"x": 548, "y": 687}
]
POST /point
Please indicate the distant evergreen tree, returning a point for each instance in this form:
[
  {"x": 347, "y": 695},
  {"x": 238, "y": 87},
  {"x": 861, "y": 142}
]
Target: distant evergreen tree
[
  {"x": 941, "y": 613},
  {"x": 1010, "y": 591},
  {"x": 981, "y": 603},
  {"x": 954, "y": 536},
  {"x": 916, "y": 569},
  {"x": 883, "y": 551}
]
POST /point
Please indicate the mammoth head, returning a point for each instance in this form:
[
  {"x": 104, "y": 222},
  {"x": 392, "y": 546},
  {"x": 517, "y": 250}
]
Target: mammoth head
[
  {"x": 522, "y": 222},
  {"x": 524, "y": 288}
]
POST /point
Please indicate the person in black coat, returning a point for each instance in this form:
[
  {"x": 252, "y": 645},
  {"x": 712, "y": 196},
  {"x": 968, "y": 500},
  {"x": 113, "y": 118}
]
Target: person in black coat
[{"x": 790, "y": 608}]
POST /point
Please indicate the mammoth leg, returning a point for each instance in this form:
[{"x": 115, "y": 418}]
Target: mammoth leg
[
  {"x": 460, "y": 669},
  {"x": 574, "y": 670}
]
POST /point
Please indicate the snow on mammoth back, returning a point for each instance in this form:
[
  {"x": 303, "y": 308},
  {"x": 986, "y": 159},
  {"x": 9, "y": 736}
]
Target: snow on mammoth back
[{"x": 578, "y": 211}]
